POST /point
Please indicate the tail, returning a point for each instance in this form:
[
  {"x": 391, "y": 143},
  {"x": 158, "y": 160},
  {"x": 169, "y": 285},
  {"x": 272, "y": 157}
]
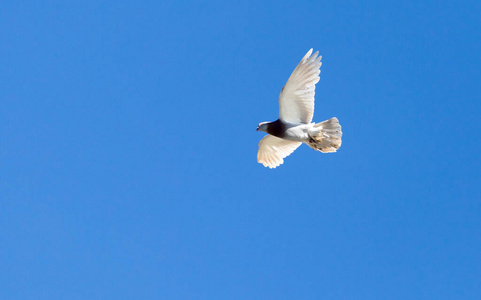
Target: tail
[{"x": 325, "y": 136}]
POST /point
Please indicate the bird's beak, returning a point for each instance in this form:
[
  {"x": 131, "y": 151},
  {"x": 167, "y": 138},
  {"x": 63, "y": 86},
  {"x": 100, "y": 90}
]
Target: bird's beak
[{"x": 257, "y": 128}]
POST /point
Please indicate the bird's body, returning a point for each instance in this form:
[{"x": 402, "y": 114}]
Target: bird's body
[{"x": 296, "y": 109}]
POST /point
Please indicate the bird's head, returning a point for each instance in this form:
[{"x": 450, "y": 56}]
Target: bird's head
[{"x": 263, "y": 126}]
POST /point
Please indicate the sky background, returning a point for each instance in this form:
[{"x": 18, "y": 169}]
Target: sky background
[{"x": 128, "y": 151}]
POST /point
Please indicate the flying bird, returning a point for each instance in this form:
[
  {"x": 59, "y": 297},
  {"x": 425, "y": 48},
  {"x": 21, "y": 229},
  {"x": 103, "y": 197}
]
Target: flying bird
[{"x": 296, "y": 109}]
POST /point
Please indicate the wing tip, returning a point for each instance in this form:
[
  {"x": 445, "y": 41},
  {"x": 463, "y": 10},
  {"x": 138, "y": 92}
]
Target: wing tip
[
  {"x": 270, "y": 163},
  {"x": 308, "y": 54},
  {"x": 312, "y": 57}
]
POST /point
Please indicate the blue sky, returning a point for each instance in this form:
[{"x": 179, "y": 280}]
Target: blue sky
[{"x": 128, "y": 151}]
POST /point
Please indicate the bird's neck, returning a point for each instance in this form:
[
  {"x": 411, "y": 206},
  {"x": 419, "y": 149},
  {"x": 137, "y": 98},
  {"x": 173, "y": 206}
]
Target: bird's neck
[{"x": 276, "y": 128}]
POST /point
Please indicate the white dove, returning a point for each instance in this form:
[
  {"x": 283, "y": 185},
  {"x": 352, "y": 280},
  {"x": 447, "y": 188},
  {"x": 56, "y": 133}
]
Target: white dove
[{"x": 296, "y": 109}]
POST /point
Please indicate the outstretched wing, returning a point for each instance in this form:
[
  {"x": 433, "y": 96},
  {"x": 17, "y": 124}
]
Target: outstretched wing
[
  {"x": 272, "y": 150},
  {"x": 296, "y": 101}
]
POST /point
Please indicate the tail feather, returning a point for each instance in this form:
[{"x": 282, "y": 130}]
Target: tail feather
[{"x": 326, "y": 136}]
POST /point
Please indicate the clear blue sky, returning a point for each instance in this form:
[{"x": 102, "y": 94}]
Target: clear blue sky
[{"x": 128, "y": 151}]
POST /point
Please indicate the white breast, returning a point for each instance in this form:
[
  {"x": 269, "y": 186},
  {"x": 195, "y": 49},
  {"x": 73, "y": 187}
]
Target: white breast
[{"x": 297, "y": 133}]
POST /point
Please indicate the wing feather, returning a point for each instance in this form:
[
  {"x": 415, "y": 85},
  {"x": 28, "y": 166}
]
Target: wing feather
[
  {"x": 296, "y": 101},
  {"x": 273, "y": 150}
]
